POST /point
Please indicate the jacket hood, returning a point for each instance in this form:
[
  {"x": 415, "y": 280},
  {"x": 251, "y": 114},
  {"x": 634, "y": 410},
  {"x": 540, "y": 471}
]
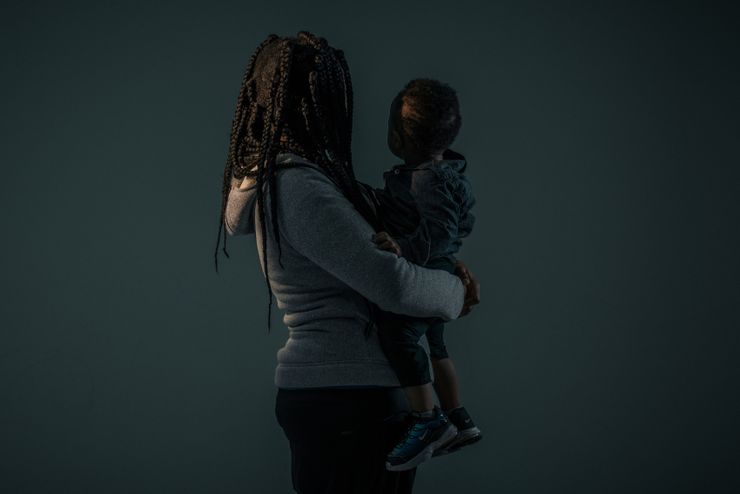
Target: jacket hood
[
  {"x": 456, "y": 160},
  {"x": 453, "y": 159}
]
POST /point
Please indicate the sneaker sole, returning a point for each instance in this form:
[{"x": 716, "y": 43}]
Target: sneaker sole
[
  {"x": 425, "y": 453},
  {"x": 464, "y": 438}
]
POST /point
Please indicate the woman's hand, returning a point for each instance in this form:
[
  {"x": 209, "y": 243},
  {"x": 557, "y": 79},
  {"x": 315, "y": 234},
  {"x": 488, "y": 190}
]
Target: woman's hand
[
  {"x": 472, "y": 287},
  {"x": 385, "y": 242}
]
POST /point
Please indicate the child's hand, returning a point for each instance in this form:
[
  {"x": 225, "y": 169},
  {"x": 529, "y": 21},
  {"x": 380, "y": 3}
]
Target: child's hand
[
  {"x": 384, "y": 241},
  {"x": 461, "y": 270},
  {"x": 472, "y": 287}
]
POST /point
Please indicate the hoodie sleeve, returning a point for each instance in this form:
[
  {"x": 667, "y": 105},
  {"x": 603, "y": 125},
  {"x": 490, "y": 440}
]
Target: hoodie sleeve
[
  {"x": 239, "y": 216},
  {"x": 323, "y": 225}
]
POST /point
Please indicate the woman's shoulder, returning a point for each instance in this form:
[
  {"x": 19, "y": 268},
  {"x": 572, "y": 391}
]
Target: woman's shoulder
[
  {"x": 305, "y": 185},
  {"x": 297, "y": 173},
  {"x": 304, "y": 178}
]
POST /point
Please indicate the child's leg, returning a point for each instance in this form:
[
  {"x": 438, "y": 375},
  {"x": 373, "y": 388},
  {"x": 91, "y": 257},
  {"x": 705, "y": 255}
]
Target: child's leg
[
  {"x": 421, "y": 398},
  {"x": 445, "y": 376},
  {"x": 399, "y": 337},
  {"x": 445, "y": 383},
  {"x": 428, "y": 427},
  {"x": 448, "y": 391}
]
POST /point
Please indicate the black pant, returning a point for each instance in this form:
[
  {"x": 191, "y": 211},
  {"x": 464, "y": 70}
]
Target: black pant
[{"x": 339, "y": 439}]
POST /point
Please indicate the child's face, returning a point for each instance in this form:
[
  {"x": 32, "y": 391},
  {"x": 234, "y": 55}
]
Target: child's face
[{"x": 395, "y": 134}]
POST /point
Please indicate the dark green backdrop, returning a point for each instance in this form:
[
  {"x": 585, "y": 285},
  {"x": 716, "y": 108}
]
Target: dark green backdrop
[{"x": 603, "y": 149}]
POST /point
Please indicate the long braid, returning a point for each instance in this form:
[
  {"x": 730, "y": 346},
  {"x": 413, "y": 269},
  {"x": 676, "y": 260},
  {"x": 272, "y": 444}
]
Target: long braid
[
  {"x": 331, "y": 62},
  {"x": 342, "y": 71},
  {"x": 283, "y": 71},
  {"x": 348, "y": 101},
  {"x": 267, "y": 173},
  {"x": 315, "y": 123},
  {"x": 337, "y": 77},
  {"x": 236, "y": 126}
]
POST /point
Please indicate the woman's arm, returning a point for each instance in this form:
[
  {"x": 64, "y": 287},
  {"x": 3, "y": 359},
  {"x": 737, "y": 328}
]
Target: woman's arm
[{"x": 323, "y": 225}]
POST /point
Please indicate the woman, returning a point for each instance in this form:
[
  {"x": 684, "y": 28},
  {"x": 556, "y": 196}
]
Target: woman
[{"x": 289, "y": 180}]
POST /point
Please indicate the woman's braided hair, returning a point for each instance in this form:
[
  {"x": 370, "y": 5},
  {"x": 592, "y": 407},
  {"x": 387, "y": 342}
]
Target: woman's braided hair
[{"x": 295, "y": 97}]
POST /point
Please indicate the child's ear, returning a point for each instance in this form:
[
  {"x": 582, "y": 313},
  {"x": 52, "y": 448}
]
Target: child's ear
[{"x": 395, "y": 140}]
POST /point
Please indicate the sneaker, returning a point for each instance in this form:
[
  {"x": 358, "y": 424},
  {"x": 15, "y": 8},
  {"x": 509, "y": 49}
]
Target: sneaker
[
  {"x": 467, "y": 432},
  {"x": 420, "y": 440}
]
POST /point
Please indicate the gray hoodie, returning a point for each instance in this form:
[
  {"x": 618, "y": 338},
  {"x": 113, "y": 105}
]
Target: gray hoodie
[{"x": 330, "y": 266}]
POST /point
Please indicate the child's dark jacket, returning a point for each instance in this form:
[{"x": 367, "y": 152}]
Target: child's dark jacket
[{"x": 427, "y": 208}]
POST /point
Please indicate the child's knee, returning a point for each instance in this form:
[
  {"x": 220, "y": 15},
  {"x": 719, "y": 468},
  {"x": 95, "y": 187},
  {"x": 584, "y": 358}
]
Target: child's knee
[{"x": 438, "y": 352}]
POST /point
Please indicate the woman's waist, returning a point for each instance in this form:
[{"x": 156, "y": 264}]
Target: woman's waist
[{"x": 335, "y": 341}]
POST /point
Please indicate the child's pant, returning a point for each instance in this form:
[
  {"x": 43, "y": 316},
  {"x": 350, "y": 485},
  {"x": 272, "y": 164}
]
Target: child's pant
[
  {"x": 399, "y": 337},
  {"x": 400, "y": 334}
]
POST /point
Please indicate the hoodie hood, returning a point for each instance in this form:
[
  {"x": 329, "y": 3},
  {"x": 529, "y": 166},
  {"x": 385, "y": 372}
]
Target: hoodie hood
[{"x": 239, "y": 216}]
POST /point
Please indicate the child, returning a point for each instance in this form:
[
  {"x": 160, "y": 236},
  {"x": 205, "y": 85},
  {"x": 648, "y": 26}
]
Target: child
[{"x": 425, "y": 206}]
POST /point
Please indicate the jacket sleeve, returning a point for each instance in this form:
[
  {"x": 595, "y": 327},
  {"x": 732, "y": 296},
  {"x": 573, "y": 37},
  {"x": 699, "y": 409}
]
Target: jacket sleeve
[
  {"x": 323, "y": 225},
  {"x": 439, "y": 216}
]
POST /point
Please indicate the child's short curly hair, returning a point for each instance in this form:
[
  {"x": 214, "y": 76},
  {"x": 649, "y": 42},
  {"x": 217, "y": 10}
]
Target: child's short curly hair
[{"x": 429, "y": 114}]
